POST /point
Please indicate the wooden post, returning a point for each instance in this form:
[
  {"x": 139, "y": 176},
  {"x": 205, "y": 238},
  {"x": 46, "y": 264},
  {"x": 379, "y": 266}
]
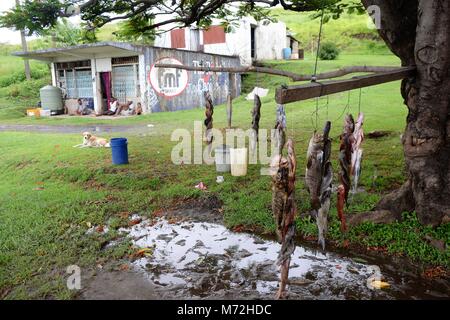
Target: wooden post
[{"x": 230, "y": 98}]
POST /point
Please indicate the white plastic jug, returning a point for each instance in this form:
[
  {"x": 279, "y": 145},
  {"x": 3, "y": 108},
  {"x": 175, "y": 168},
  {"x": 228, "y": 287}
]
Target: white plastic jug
[{"x": 239, "y": 160}]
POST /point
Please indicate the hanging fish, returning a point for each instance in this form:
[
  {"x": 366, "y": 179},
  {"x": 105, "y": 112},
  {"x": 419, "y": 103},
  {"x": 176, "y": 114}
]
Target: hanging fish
[
  {"x": 209, "y": 111},
  {"x": 284, "y": 209},
  {"x": 314, "y": 169},
  {"x": 345, "y": 158},
  {"x": 325, "y": 187},
  {"x": 357, "y": 152},
  {"x": 340, "y": 206},
  {"x": 318, "y": 178},
  {"x": 280, "y": 127},
  {"x": 256, "y": 115}
]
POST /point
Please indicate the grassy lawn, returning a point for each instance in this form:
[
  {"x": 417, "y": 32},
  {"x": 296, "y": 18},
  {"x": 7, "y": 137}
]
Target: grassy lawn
[{"x": 51, "y": 193}]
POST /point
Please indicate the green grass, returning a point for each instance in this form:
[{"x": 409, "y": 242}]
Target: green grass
[
  {"x": 350, "y": 32},
  {"x": 43, "y": 231}
]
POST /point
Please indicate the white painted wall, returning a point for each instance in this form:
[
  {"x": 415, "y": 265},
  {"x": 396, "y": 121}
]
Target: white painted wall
[
  {"x": 143, "y": 82},
  {"x": 53, "y": 71},
  {"x": 103, "y": 64},
  {"x": 270, "y": 41},
  {"x": 96, "y": 87},
  {"x": 237, "y": 43}
]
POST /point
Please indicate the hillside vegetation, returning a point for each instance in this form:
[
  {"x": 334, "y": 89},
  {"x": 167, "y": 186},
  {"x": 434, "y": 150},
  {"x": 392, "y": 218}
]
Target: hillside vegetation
[{"x": 350, "y": 32}]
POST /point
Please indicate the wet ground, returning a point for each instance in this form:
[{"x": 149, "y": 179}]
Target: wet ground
[
  {"x": 143, "y": 129},
  {"x": 198, "y": 260}
]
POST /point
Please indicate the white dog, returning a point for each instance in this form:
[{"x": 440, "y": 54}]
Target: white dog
[{"x": 92, "y": 141}]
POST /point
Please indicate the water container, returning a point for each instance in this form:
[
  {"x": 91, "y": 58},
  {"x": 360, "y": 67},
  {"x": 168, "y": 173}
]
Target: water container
[
  {"x": 287, "y": 53},
  {"x": 239, "y": 160},
  {"x": 119, "y": 149},
  {"x": 51, "y": 99},
  {"x": 222, "y": 156}
]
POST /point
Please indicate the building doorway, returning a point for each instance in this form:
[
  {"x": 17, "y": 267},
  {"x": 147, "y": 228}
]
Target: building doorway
[{"x": 252, "y": 42}]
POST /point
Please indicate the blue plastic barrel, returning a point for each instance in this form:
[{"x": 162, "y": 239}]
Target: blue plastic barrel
[
  {"x": 287, "y": 53},
  {"x": 119, "y": 148}
]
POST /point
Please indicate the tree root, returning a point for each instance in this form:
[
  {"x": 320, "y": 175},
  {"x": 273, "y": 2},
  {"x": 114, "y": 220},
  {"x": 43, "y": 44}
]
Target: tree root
[
  {"x": 389, "y": 209},
  {"x": 399, "y": 201}
]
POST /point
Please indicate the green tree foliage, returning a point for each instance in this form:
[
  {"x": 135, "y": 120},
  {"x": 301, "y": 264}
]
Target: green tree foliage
[
  {"x": 136, "y": 29},
  {"x": 35, "y": 17},
  {"x": 67, "y": 34}
]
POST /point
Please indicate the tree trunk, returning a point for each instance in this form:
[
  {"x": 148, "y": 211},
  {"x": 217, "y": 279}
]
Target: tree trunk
[
  {"x": 418, "y": 31},
  {"x": 24, "y": 49}
]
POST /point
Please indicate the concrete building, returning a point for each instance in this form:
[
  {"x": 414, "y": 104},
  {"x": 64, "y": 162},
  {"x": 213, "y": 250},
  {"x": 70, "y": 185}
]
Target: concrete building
[
  {"x": 250, "y": 40},
  {"x": 97, "y": 72}
]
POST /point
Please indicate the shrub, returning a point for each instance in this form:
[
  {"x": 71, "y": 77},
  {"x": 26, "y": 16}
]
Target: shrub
[
  {"x": 14, "y": 92},
  {"x": 328, "y": 51}
]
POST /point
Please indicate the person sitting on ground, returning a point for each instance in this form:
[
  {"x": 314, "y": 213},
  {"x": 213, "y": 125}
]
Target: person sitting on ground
[
  {"x": 139, "y": 109},
  {"x": 82, "y": 109},
  {"x": 112, "y": 107},
  {"x": 126, "y": 109}
]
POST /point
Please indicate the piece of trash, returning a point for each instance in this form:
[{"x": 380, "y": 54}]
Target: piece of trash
[
  {"x": 40, "y": 186},
  {"x": 378, "y": 284},
  {"x": 147, "y": 252},
  {"x": 124, "y": 267},
  {"x": 100, "y": 229},
  {"x": 150, "y": 125},
  {"x": 261, "y": 92},
  {"x": 360, "y": 260},
  {"x": 220, "y": 179},
  {"x": 99, "y": 266},
  {"x": 134, "y": 222},
  {"x": 201, "y": 186},
  {"x": 89, "y": 224}
]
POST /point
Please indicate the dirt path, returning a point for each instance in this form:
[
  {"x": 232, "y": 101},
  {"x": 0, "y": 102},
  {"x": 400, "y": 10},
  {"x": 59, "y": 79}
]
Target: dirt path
[{"x": 136, "y": 129}]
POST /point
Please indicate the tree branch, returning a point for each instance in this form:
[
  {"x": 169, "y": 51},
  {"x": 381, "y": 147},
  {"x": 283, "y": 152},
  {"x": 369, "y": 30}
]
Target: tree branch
[{"x": 293, "y": 76}]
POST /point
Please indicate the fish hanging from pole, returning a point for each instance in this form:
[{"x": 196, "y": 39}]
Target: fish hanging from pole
[
  {"x": 345, "y": 162},
  {"x": 357, "y": 152},
  {"x": 318, "y": 178},
  {"x": 209, "y": 111},
  {"x": 284, "y": 210},
  {"x": 256, "y": 115},
  {"x": 280, "y": 129}
]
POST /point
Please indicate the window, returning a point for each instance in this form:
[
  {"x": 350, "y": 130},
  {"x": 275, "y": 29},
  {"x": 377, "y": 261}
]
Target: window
[
  {"x": 75, "y": 78},
  {"x": 83, "y": 83},
  {"x": 124, "y": 83}
]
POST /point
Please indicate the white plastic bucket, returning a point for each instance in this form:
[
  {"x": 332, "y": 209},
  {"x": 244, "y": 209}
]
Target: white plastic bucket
[
  {"x": 222, "y": 157},
  {"x": 239, "y": 160}
]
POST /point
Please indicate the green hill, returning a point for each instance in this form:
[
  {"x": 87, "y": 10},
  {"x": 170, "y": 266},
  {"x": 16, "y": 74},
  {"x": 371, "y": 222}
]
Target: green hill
[{"x": 350, "y": 32}]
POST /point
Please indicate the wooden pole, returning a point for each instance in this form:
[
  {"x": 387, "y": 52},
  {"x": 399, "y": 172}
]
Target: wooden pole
[
  {"x": 293, "y": 76},
  {"x": 290, "y": 94},
  {"x": 230, "y": 98}
]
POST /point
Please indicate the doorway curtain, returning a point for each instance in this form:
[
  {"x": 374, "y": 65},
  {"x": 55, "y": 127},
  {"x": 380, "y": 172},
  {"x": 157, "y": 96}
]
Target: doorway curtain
[{"x": 107, "y": 87}]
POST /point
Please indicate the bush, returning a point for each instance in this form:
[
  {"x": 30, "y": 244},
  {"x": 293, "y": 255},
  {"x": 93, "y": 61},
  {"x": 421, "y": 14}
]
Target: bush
[
  {"x": 17, "y": 77},
  {"x": 328, "y": 51}
]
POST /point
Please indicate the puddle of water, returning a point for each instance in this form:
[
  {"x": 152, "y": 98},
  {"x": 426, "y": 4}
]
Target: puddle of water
[{"x": 201, "y": 259}]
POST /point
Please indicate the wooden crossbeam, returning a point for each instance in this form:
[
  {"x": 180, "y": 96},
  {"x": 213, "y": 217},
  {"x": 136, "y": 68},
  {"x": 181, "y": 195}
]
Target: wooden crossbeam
[
  {"x": 290, "y": 94},
  {"x": 293, "y": 76}
]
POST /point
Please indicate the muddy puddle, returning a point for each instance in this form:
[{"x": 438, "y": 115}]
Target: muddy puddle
[{"x": 197, "y": 260}]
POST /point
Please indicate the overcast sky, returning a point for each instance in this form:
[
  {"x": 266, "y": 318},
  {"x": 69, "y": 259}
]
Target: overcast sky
[{"x": 8, "y": 35}]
